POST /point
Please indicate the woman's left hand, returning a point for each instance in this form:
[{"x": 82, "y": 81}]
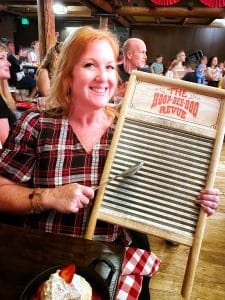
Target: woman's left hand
[{"x": 209, "y": 200}]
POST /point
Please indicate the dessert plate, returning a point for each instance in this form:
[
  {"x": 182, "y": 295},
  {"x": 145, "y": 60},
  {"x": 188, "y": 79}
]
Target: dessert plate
[{"x": 100, "y": 286}]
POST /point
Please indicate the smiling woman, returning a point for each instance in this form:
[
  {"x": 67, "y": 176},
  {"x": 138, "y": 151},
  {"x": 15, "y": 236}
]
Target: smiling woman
[
  {"x": 67, "y": 142},
  {"x": 54, "y": 158},
  {"x": 7, "y": 104}
]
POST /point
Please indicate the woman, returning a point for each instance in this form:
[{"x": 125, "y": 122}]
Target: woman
[
  {"x": 53, "y": 158},
  {"x": 45, "y": 72},
  {"x": 33, "y": 54},
  {"x": 7, "y": 104},
  {"x": 180, "y": 69},
  {"x": 172, "y": 70},
  {"x": 213, "y": 73}
]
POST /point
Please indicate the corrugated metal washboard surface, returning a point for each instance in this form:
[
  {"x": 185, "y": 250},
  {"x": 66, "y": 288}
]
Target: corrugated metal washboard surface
[{"x": 164, "y": 191}]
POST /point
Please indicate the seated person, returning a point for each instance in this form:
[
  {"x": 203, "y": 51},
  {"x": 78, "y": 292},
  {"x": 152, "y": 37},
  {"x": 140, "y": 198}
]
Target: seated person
[
  {"x": 157, "y": 66},
  {"x": 33, "y": 54},
  {"x": 172, "y": 70},
  {"x": 65, "y": 145},
  {"x": 7, "y": 104},
  {"x": 180, "y": 69},
  {"x": 134, "y": 58},
  {"x": 191, "y": 74},
  {"x": 201, "y": 69},
  {"x": 17, "y": 76},
  {"x": 213, "y": 73},
  {"x": 45, "y": 72}
]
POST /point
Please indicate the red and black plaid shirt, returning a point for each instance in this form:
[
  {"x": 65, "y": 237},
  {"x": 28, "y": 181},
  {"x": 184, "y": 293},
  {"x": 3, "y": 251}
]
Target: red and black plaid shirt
[{"x": 43, "y": 151}]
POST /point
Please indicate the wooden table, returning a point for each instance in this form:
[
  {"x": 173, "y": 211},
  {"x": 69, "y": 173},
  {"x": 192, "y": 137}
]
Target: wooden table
[{"x": 25, "y": 253}]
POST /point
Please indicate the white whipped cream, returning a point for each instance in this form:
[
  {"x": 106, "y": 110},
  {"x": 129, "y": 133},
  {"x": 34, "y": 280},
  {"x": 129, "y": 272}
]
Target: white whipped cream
[{"x": 55, "y": 288}]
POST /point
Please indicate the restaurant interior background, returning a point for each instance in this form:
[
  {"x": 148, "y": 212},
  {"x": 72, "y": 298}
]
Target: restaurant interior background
[
  {"x": 190, "y": 25},
  {"x": 166, "y": 35}
]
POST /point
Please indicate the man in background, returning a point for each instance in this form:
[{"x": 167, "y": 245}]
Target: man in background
[
  {"x": 134, "y": 58},
  {"x": 17, "y": 76}
]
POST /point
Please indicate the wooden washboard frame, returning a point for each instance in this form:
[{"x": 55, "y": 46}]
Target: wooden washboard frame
[{"x": 177, "y": 129}]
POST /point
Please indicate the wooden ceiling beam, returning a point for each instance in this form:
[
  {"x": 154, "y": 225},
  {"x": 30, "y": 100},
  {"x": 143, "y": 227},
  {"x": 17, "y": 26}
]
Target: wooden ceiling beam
[
  {"x": 147, "y": 24},
  {"x": 104, "y": 5},
  {"x": 123, "y": 22},
  {"x": 172, "y": 12}
]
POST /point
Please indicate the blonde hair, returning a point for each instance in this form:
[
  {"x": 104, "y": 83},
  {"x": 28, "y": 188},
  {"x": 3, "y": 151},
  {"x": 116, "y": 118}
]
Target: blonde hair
[
  {"x": 50, "y": 59},
  {"x": 4, "y": 87},
  {"x": 173, "y": 64},
  {"x": 72, "y": 50},
  {"x": 32, "y": 45}
]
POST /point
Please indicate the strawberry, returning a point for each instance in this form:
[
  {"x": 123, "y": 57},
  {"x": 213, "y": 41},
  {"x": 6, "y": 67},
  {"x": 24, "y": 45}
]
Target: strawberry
[{"x": 67, "y": 273}]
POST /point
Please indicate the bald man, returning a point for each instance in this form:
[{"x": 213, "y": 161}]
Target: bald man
[{"x": 134, "y": 57}]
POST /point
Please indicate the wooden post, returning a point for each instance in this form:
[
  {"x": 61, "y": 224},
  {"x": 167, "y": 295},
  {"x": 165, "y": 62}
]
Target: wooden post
[
  {"x": 46, "y": 26},
  {"x": 103, "y": 22}
]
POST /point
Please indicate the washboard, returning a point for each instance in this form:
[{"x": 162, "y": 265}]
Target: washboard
[{"x": 176, "y": 128}]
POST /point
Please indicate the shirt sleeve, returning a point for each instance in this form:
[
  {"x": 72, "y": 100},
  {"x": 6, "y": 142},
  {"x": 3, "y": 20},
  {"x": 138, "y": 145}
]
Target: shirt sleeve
[
  {"x": 17, "y": 158},
  {"x": 6, "y": 113}
]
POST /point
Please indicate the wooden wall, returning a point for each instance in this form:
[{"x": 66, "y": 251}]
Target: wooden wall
[{"x": 169, "y": 40}]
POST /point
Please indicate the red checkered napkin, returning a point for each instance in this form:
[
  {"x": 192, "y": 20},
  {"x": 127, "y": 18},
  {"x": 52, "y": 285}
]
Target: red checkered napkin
[{"x": 136, "y": 264}]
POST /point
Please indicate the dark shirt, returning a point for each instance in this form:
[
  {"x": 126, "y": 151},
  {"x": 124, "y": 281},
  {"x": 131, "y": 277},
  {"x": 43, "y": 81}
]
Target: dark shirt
[
  {"x": 124, "y": 76},
  {"x": 26, "y": 82},
  {"x": 6, "y": 113},
  {"x": 191, "y": 77},
  {"x": 14, "y": 68}
]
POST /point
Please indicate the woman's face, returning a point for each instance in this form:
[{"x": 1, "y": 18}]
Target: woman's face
[
  {"x": 36, "y": 46},
  {"x": 214, "y": 61},
  {"x": 4, "y": 66},
  {"x": 94, "y": 77}
]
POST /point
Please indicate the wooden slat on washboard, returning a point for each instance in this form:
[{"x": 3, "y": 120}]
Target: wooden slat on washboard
[{"x": 176, "y": 128}]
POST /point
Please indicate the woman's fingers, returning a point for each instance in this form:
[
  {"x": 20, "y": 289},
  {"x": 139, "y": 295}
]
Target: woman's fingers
[
  {"x": 208, "y": 210},
  {"x": 209, "y": 200},
  {"x": 81, "y": 196},
  {"x": 87, "y": 191},
  {"x": 71, "y": 197}
]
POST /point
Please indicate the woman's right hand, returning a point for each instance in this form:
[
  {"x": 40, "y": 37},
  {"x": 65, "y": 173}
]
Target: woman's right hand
[{"x": 67, "y": 198}]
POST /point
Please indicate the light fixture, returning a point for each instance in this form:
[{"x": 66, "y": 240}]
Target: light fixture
[
  {"x": 218, "y": 23},
  {"x": 59, "y": 9}
]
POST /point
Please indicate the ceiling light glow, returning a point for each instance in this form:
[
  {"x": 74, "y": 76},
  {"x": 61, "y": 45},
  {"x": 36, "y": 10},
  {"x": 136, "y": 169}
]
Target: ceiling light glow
[{"x": 59, "y": 9}]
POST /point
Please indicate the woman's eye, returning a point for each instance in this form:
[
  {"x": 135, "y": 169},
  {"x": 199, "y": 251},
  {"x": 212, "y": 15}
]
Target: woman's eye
[
  {"x": 111, "y": 67},
  {"x": 88, "y": 65}
]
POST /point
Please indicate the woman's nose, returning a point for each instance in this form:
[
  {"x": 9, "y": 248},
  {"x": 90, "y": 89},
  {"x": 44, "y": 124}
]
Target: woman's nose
[{"x": 101, "y": 75}]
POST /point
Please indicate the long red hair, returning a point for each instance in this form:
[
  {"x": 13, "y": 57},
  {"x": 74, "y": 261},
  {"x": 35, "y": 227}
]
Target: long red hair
[{"x": 72, "y": 50}]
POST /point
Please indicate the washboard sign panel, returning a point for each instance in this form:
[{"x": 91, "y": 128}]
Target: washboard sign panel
[{"x": 176, "y": 129}]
